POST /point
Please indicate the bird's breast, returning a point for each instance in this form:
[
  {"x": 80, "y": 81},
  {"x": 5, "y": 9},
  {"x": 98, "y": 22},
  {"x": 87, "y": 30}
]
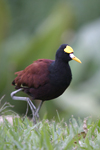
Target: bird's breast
[{"x": 60, "y": 77}]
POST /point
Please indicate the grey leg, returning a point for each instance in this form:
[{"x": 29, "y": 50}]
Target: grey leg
[
  {"x": 32, "y": 107},
  {"x": 21, "y": 98},
  {"x": 26, "y": 111},
  {"x": 37, "y": 111}
]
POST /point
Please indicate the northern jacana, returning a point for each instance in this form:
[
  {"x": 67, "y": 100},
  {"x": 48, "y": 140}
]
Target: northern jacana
[{"x": 45, "y": 79}]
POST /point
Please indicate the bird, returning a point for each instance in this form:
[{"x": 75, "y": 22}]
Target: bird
[{"x": 45, "y": 79}]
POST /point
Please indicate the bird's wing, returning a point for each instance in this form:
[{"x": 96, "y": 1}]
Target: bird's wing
[{"x": 35, "y": 75}]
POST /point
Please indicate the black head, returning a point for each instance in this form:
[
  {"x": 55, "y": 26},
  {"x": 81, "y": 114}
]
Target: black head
[{"x": 65, "y": 53}]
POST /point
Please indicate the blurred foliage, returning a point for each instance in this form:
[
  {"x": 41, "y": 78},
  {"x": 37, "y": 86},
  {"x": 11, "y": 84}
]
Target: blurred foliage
[{"x": 31, "y": 30}]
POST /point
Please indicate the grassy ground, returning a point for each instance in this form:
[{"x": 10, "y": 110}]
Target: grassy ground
[{"x": 20, "y": 133}]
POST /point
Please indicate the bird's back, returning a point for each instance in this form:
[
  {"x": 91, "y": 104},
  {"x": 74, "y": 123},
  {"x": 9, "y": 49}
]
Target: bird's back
[{"x": 34, "y": 75}]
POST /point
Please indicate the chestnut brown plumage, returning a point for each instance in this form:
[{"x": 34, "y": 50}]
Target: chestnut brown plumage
[{"x": 45, "y": 79}]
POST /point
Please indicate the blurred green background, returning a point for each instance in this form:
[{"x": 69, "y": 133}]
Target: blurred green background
[{"x": 31, "y": 30}]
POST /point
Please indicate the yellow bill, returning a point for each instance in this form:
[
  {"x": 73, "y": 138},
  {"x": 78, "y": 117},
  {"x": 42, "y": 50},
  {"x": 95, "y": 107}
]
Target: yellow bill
[
  {"x": 74, "y": 58},
  {"x": 70, "y": 51}
]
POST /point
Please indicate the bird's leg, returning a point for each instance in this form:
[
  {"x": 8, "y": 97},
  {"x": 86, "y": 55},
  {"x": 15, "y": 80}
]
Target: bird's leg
[
  {"x": 37, "y": 110},
  {"x": 32, "y": 107},
  {"x": 26, "y": 111},
  {"x": 30, "y": 103}
]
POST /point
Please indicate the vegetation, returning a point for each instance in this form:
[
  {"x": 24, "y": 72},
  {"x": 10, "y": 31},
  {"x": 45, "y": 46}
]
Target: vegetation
[{"x": 22, "y": 134}]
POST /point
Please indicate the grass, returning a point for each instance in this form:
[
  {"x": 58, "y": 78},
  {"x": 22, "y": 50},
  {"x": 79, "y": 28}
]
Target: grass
[{"x": 21, "y": 134}]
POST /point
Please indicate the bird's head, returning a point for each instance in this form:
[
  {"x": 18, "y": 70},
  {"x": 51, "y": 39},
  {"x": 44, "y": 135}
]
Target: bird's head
[{"x": 65, "y": 52}]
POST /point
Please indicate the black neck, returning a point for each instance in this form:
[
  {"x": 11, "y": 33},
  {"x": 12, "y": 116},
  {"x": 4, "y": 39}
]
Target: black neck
[{"x": 61, "y": 73}]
